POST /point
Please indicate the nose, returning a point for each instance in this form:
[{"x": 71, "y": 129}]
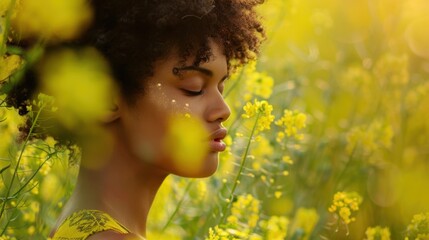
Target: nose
[{"x": 217, "y": 109}]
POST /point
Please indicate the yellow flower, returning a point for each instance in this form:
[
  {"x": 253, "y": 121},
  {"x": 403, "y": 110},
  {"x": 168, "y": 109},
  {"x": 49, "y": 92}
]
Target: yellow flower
[
  {"x": 262, "y": 110},
  {"x": 292, "y": 122},
  {"x": 48, "y": 189},
  {"x": 80, "y": 83},
  {"x": 419, "y": 226},
  {"x": 287, "y": 159},
  {"x": 51, "y": 19},
  {"x": 305, "y": 219},
  {"x": 261, "y": 151},
  {"x": 257, "y": 83},
  {"x": 185, "y": 141},
  {"x": 369, "y": 138},
  {"x": 344, "y": 204},
  {"x": 218, "y": 233},
  {"x": 243, "y": 219},
  {"x": 31, "y": 230},
  {"x": 379, "y": 233},
  {"x": 9, "y": 64},
  {"x": 246, "y": 208},
  {"x": 276, "y": 228}
]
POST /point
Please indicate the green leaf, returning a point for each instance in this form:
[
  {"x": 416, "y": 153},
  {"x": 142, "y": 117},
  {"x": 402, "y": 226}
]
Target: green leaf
[{"x": 4, "y": 169}]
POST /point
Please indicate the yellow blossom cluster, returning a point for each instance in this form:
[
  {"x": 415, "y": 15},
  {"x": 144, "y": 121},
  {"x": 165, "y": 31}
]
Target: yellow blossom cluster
[
  {"x": 377, "y": 233},
  {"x": 262, "y": 111},
  {"x": 369, "y": 138},
  {"x": 261, "y": 151},
  {"x": 258, "y": 84},
  {"x": 246, "y": 209},
  {"x": 392, "y": 70},
  {"x": 241, "y": 223},
  {"x": 276, "y": 227},
  {"x": 344, "y": 204},
  {"x": 44, "y": 101},
  {"x": 6, "y": 237},
  {"x": 218, "y": 233},
  {"x": 418, "y": 229},
  {"x": 292, "y": 122}
]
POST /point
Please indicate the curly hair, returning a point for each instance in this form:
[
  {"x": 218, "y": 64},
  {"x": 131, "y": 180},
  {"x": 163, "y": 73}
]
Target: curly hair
[{"x": 133, "y": 34}]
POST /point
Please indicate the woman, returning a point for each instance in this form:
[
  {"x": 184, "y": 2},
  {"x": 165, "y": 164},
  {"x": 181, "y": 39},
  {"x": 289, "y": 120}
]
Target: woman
[{"x": 167, "y": 57}]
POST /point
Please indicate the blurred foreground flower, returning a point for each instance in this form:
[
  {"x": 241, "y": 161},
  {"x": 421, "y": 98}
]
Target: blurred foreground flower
[
  {"x": 344, "y": 204},
  {"x": 303, "y": 223},
  {"x": 377, "y": 233},
  {"x": 419, "y": 227},
  {"x": 50, "y": 19},
  {"x": 186, "y": 142},
  {"x": 81, "y": 84}
]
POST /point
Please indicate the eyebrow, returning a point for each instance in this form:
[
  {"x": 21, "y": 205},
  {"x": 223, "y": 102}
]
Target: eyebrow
[{"x": 202, "y": 70}]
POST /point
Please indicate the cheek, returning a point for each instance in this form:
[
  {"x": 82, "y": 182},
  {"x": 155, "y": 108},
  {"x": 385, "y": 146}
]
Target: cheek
[
  {"x": 149, "y": 128},
  {"x": 173, "y": 101},
  {"x": 147, "y": 136}
]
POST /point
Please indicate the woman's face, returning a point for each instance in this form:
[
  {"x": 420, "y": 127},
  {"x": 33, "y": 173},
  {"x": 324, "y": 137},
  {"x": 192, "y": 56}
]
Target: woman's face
[{"x": 174, "y": 89}]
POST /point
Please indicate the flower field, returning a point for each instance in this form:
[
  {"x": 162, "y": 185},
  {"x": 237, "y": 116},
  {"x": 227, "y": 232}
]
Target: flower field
[{"x": 328, "y": 136}]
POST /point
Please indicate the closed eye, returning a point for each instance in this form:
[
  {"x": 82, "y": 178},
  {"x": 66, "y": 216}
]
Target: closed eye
[{"x": 192, "y": 93}]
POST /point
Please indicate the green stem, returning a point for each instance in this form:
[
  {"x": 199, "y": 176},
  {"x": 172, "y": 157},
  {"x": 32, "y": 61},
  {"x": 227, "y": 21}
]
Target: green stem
[
  {"x": 235, "y": 83},
  {"x": 32, "y": 176},
  {"x": 19, "y": 161},
  {"x": 178, "y": 206},
  {"x": 6, "y": 27},
  {"x": 8, "y": 222},
  {"x": 240, "y": 170}
]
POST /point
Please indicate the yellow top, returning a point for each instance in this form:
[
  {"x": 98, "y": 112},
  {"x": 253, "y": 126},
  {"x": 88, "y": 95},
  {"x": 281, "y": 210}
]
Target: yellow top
[{"x": 84, "y": 223}]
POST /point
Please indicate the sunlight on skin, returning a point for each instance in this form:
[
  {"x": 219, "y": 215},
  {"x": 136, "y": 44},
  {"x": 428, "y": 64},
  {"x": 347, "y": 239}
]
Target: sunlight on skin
[{"x": 168, "y": 95}]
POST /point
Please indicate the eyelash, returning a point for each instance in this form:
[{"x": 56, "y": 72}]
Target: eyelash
[{"x": 192, "y": 93}]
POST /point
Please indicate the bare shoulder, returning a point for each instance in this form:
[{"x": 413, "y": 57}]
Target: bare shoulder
[{"x": 111, "y": 235}]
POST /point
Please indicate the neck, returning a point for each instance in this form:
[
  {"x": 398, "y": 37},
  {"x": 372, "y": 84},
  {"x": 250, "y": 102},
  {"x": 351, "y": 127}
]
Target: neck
[{"x": 122, "y": 186}]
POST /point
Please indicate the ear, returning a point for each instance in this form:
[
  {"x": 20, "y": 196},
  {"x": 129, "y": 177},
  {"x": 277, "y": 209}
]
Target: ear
[{"x": 113, "y": 113}]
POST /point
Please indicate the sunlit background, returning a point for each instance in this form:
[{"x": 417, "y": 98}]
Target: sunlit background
[{"x": 328, "y": 137}]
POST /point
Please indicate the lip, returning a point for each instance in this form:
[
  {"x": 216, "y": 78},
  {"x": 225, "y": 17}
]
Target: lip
[{"x": 215, "y": 138}]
